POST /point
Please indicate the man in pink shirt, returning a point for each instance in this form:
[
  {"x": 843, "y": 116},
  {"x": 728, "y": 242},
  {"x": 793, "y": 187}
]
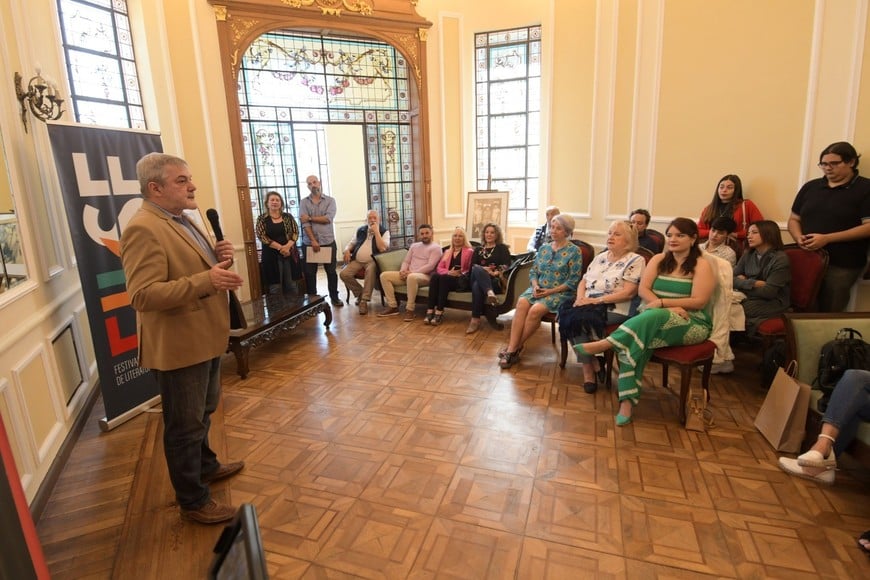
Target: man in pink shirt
[{"x": 420, "y": 262}]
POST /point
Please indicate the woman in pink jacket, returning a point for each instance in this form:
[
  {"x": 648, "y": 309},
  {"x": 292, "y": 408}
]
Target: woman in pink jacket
[
  {"x": 450, "y": 275},
  {"x": 728, "y": 201}
]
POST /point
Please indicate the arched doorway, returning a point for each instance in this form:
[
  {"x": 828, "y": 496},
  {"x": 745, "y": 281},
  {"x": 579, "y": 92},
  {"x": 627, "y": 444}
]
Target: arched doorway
[
  {"x": 399, "y": 181},
  {"x": 293, "y": 88}
]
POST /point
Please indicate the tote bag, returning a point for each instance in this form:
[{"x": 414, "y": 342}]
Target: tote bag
[{"x": 783, "y": 415}]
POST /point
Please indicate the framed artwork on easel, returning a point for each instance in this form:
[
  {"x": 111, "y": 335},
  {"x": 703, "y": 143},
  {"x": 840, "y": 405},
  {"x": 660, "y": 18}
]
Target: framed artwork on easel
[{"x": 484, "y": 207}]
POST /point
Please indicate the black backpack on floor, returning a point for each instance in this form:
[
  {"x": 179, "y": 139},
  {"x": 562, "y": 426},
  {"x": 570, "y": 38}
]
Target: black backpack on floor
[{"x": 847, "y": 351}]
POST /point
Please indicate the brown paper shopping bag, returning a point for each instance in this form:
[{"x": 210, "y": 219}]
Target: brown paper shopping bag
[{"x": 783, "y": 415}]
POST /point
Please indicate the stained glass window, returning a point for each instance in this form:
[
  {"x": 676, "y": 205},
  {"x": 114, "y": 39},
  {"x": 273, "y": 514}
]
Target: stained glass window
[
  {"x": 100, "y": 63},
  {"x": 508, "y": 110},
  {"x": 291, "y": 84}
]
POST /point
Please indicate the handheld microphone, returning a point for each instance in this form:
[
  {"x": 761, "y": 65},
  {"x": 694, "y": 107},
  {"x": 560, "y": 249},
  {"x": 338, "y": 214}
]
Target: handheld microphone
[{"x": 212, "y": 215}]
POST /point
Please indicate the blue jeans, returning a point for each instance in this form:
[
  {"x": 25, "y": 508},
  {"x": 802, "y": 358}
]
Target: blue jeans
[
  {"x": 331, "y": 274},
  {"x": 190, "y": 395},
  {"x": 481, "y": 284},
  {"x": 849, "y": 405}
]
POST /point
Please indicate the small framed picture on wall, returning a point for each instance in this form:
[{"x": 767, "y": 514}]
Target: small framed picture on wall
[{"x": 484, "y": 207}]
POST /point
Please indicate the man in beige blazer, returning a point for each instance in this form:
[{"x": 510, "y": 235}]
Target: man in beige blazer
[{"x": 178, "y": 284}]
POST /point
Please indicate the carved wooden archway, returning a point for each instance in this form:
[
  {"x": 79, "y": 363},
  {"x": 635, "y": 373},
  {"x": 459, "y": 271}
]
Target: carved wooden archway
[{"x": 395, "y": 22}]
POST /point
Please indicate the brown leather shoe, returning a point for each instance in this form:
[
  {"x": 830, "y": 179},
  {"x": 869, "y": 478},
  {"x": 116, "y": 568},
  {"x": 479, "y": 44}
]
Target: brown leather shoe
[
  {"x": 363, "y": 307},
  {"x": 390, "y": 311},
  {"x": 224, "y": 471},
  {"x": 211, "y": 512}
]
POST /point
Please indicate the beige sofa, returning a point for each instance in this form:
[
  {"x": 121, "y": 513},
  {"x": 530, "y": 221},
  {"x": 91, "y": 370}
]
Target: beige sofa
[
  {"x": 517, "y": 282},
  {"x": 805, "y": 335}
]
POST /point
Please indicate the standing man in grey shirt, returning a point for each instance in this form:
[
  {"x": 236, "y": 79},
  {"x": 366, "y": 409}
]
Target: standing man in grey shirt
[{"x": 317, "y": 212}]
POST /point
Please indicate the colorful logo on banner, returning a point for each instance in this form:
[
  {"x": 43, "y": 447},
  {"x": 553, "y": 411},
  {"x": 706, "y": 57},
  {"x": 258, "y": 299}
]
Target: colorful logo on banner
[{"x": 97, "y": 171}]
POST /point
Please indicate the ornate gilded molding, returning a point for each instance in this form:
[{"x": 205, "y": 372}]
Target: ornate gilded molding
[
  {"x": 334, "y": 7},
  {"x": 239, "y": 28},
  {"x": 423, "y": 34},
  {"x": 409, "y": 43},
  {"x": 220, "y": 13}
]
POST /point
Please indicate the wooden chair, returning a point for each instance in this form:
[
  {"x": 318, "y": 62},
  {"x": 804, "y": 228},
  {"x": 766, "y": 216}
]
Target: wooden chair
[
  {"x": 807, "y": 272},
  {"x": 588, "y": 252}
]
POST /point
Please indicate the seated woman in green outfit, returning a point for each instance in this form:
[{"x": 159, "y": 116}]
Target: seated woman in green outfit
[{"x": 676, "y": 288}]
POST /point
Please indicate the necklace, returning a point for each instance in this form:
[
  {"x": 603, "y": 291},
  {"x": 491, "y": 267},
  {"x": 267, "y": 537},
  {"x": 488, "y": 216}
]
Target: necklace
[{"x": 486, "y": 254}]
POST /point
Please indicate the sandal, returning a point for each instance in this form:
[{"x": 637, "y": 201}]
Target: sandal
[
  {"x": 791, "y": 467},
  {"x": 866, "y": 538},
  {"x": 813, "y": 458},
  {"x": 437, "y": 319},
  {"x": 510, "y": 359},
  {"x": 429, "y": 317}
]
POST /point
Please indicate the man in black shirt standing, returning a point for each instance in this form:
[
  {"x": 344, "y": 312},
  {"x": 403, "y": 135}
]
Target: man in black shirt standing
[{"x": 833, "y": 212}]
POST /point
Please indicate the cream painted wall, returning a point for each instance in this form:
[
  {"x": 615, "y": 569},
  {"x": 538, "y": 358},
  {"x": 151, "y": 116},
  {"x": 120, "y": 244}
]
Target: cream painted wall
[{"x": 724, "y": 106}]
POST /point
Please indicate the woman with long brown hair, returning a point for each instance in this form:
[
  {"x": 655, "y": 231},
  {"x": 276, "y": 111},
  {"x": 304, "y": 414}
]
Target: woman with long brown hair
[
  {"x": 728, "y": 201},
  {"x": 763, "y": 274},
  {"x": 676, "y": 288}
]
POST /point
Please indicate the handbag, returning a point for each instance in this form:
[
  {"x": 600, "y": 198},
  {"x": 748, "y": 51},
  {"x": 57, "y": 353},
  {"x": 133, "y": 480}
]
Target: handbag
[
  {"x": 588, "y": 320},
  {"x": 783, "y": 414}
]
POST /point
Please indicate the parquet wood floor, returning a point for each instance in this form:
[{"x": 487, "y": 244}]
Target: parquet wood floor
[{"x": 386, "y": 449}]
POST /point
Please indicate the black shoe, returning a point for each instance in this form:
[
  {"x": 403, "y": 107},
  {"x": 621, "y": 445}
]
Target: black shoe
[
  {"x": 590, "y": 387},
  {"x": 337, "y": 302},
  {"x": 601, "y": 374}
]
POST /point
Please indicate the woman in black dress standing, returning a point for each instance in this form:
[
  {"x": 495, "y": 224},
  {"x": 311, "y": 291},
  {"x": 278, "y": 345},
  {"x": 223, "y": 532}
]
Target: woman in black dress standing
[{"x": 278, "y": 232}]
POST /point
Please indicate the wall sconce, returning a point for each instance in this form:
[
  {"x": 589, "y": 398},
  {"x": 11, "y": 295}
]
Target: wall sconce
[{"x": 41, "y": 97}]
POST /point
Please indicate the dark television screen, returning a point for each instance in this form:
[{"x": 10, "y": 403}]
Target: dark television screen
[{"x": 239, "y": 550}]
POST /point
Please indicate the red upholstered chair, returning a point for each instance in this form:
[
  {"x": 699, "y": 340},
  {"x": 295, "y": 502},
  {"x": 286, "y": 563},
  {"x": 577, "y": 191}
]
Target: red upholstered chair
[
  {"x": 657, "y": 236},
  {"x": 686, "y": 358},
  {"x": 807, "y": 272},
  {"x": 588, "y": 252}
]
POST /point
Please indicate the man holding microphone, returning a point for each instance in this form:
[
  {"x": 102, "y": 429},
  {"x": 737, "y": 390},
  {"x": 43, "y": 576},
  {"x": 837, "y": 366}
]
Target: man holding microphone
[{"x": 179, "y": 284}]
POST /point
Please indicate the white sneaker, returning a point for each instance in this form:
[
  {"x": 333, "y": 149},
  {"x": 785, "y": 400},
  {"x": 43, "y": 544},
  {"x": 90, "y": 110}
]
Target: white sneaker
[
  {"x": 722, "y": 368},
  {"x": 792, "y": 467}
]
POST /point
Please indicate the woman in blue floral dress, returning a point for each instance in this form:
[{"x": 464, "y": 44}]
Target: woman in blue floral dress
[{"x": 554, "y": 278}]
